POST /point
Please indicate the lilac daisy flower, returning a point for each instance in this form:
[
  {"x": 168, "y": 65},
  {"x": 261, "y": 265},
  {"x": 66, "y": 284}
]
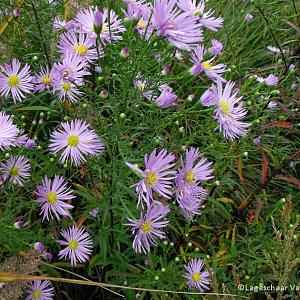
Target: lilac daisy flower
[
  {"x": 189, "y": 195},
  {"x": 205, "y": 18},
  {"x": 216, "y": 47},
  {"x": 72, "y": 68},
  {"x": 38, "y": 246},
  {"x": 44, "y": 79},
  {"x": 166, "y": 99},
  {"x": 195, "y": 277},
  {"x": 179, "y": 28},
  {"x": 230, "y": 111},
  {"x": 248, "y": 17},
  {"x": 52, "y": 197},
  {"x": 79, "y": 44},
  {"x": 67, "y": 91},
  {"x": 110, "y": 31},
  {"x": 157, "y": 176},
  {"x": 16, "y": 169},
  {"x": 8, "y": 131},
  {"x": 76, "y": 140},
  {"x": 272, "y": 80},
  {"x": 78, "y": 244},
  {"x": 15, "y": 81},
  {"x": 212, "y": 71},
  {"x": 148, "y": 228},
  {"x": 40, "y": 290}
]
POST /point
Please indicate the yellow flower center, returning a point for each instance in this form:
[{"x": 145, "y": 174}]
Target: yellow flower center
[
  {"x": 141, "y": 86},
  {"x": 224, "y": 106},
  {"x": 66, "y": 86},
  {"x": 14, "y": 171},
  {"x": 73, "y": 244},
  {"x": 52, "y": 198},
  {"x": 207, "y": 66},
  {"x": 190, "y": 176},
  {"x": 37, "y": 294},
  {"x": 81, "y": 49},
  {"x": 141, "y": 24},
  {"x": 73, "y": 140},
  {"x": 13, "y": 80},
  {"x": 46, "y": 80},
  {"x": 146, "y": 226},
  {"x": 196, "y": 277},
  {"x": 151, "y": 178}
]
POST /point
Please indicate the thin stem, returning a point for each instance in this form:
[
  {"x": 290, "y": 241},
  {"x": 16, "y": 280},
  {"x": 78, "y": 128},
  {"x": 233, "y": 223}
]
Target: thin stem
[{"x": 41, "y": 35}]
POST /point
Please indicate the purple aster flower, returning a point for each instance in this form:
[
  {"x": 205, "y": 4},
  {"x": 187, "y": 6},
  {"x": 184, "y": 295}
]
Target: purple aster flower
[
  {"x": 248, "y": 17},
  {"x": 109, "y": 32},
  {"x": 67, "y": 91},
  {"x": 216, "y": 47},
  {"x": 8, "y": 131},
  {"x": 72, "y": 68},
  {"x": 273, "y": 49},
  {"x": 76, "y": 140},
  {"x": 38, "y": 246},
  {"x": 230, "y": 111},
  {"x": 272, "y": 105},
  {"x": 272, "y": 80},
  {"x": 52, "y": 197},
  {"x": 166, "y": 99},
  {"x": 157, "y": 176},
  {"x": 48, "y": 256},
  {"x": 30, "y": 144},
  {"x": 15, "y": 81},
  {"x": 94, "y": 212},
  {"x": 16, "y": 169},
  {"x": 189, "y": 195},
  {"x": 79, "y": 44},
  {"x": 148, "y": 228},
  {"x": 179, "y": 28},
  {"x": 212, "y": 71},
  {"x": 17, "y": 11},
  {"x": 166, "y": 70},
  {"x": 209, "y": 97},
  {"x": 44, "y": 79},
  {"x": 195, "y": 277},
  {"x": 19, "y": 224},
  {"x": 257, "y": 140},
  {"x": 78, "y": 244},
  {"x": 205, "y": 18},
  {"x": 40, "y": 290}
]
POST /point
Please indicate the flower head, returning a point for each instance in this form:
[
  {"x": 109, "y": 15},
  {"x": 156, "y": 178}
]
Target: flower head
[
  {"x": 78, "y": 244},
  {"x": 79, "y": 44},
  {"x": 166, "y": 99},
  {"x": 180, "y": 29},
  {"x": 209, "y": 97},
  {"x": 157, "y": 176},
  {"x": 248, "y": 17},
  {"x": 196, "y": 278},
  {"x": 200, "y": 65},
  {"x": 16, "y": 82},
  {"x": 52, "y": 197},
  {"x": 148, "y": 228},
  {"x": 76, "y": 140},
  {"x": 216, "y": 47},
  {"x": 230, "y": 112},
  {"x": 40, "y": 290},
  {"x": 189, "y": 195},
  {"x": 16, "y": 169},
  {"x": 44, "y": 79},
  {"x": 8, "y": 131}
]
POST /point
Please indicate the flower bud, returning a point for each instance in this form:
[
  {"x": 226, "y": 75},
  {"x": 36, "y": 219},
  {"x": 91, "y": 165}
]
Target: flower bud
[
  {"x": 98, "y": 22},
  {"x": 125, "y": 52}
]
